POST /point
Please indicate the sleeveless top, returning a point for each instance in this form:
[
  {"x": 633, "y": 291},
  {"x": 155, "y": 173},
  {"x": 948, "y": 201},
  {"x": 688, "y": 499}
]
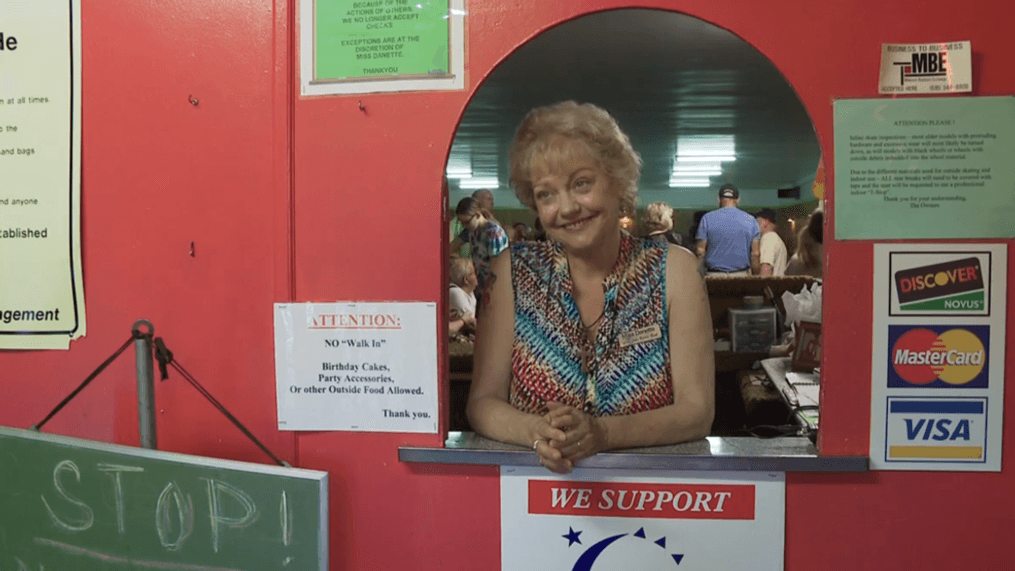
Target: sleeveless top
[
  {"x": 629, "y": 369},
  {"x": 487, "y": 243}
]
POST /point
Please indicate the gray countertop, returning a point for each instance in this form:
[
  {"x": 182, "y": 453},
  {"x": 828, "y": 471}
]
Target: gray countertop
[{"x": 783, "y": 454}]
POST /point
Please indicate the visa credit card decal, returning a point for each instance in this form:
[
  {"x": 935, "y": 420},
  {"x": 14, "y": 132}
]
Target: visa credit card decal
[
  {"x": 936, "y": 430},
  {"x": 953, "y": 284},
  {"x": 938, "y": 356}
]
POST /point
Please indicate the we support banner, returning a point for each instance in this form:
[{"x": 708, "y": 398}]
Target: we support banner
[
  {"x": 625, "y": 519},
  {"x": 41, "y": 297}
]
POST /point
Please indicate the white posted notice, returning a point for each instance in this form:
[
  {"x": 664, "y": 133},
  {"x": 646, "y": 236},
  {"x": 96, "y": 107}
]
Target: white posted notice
[
  {"x": 42, "y": 302},
  {"x": 364, "y": 366}
]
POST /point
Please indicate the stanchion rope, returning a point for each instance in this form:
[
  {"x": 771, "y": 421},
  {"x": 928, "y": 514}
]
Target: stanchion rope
[
  {"x": 165, "y": 359},
  {"x": 38, "y": 426}
]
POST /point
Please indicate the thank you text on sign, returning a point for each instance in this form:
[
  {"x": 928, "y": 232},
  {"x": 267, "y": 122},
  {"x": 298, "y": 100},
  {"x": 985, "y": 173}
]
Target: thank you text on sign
[{"x": 356, "y": 366}]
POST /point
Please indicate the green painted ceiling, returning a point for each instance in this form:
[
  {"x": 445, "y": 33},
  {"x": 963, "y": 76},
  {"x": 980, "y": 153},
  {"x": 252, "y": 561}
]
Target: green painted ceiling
[{"x": 663, "y": 75}]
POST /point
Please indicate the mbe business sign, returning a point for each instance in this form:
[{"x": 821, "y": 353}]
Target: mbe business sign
[
  {"x": 926, "y": 68},
  {"x": 955, "y": 284}
]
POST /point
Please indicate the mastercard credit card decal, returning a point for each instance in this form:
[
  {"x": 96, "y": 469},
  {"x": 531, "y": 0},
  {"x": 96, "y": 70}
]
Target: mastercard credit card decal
[
  {"x": 938, "y": 356},
  {"x": 952, "y": 430},
  {"x": 956, "y": 286}
]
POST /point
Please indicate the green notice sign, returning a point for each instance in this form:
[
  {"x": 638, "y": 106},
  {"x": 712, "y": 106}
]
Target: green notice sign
[
  {"x": 376, "y": 39},
  {"x": 924, "y": 168}
]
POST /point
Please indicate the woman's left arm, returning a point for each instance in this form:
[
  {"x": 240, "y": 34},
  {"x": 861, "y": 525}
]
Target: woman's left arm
[{"x": 693, "y": 370}]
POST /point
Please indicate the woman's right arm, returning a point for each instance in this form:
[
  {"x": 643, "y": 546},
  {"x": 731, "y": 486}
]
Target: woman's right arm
[{"x": 489, "y": 411}]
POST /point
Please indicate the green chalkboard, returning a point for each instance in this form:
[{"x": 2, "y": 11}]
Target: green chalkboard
[{"x": 71, "y": 504}]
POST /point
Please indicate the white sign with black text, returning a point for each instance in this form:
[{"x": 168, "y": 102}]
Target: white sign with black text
[
  {"x": 630, "y": 519},
  {"x": 926, "y": 68},
  {"x": 42, "y": 300},
  {"x": 364, "y": 366}
]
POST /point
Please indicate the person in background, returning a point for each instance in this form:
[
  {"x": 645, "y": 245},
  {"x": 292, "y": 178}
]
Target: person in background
[
  {"x": 696, "y": 221},
  {"x": 461, "y": 296},
  {"x": 459, "y": 248},
  {"x": 457, "y": 234},
  {"x": 592, "y": 340},
  {"x": 728, "y": 238},
  {"x": 484, "y": 197},
  {"x": 772, "y": 250},
  {"x": 487, "y": 238},
  {"x": 538, "y": 234},
  {"x": 658, "y": 224},
  {"x": 521, "y": 231},
  {"x": 809, "y": 256},
  {"x": 692, "y": 232}
]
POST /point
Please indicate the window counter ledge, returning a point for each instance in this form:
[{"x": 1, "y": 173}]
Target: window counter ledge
[{"x": 784, "y": 454}]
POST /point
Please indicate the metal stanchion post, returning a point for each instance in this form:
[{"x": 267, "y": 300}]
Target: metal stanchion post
[{"x": 145, "y": 383}]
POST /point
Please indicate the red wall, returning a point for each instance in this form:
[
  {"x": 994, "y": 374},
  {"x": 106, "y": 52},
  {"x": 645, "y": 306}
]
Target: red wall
[{"x": 316, "y": 200}]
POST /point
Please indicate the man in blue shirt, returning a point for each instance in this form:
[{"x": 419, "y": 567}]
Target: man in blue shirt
[{"x": 729, "y": 238}]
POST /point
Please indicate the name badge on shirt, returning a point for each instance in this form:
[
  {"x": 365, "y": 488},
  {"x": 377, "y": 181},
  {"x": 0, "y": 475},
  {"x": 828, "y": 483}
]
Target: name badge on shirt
[{"x": 642, "y": 335}]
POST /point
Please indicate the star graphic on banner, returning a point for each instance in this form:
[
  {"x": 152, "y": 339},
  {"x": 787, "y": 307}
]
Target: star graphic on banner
[
  {"x": 572, "y": 537},
  {"x": 589, "y": 556}
]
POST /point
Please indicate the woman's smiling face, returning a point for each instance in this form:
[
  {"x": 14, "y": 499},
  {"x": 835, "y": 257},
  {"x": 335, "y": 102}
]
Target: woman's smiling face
[{"x": 575, "y": 198}]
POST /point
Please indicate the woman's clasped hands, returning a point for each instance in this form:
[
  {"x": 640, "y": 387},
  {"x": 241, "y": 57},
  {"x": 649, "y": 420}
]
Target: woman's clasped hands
[{"x": 565, "y": 436}]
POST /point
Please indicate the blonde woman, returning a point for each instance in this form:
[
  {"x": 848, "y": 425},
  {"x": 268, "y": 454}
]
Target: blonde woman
[
  {"x": 658, "y": 222},
  {"x": 593, "y": 340},
  {"x": 808, "y": 259}
]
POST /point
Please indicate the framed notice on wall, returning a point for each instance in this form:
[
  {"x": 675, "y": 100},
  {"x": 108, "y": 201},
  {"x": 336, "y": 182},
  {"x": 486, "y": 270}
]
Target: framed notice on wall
[
  {"x": 924, "y": 168},
  {"x": 42, "y": 302},
  {"x": 364, "y": 46}
]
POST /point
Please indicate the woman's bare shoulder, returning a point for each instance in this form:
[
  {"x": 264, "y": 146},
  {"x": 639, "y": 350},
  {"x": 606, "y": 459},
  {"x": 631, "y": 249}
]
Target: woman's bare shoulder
[
  {"x": 681, "y": 261},
  {"x": 683, "y": 273}
]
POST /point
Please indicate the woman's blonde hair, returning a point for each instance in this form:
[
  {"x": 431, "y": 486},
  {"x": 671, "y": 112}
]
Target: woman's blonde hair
[
  {"x": 809, "y": 240},
  {"x": 587, "y": 124},
  {"x": 658, "y": 218}
]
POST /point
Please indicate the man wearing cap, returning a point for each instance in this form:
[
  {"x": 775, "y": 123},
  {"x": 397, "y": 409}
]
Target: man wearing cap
[
  {"x": 728, "y": 238},
  {"x": 773, "y": 249}
]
